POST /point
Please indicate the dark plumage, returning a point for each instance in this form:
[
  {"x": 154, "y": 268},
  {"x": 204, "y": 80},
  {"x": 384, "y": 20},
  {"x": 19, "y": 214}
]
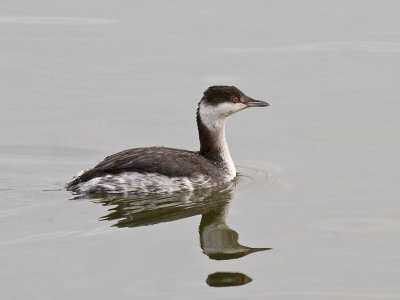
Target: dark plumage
[
  {"x": 221, "y": 93},
  {"x": 210, "y": 166},
  {"x": 161, "y": 160}
]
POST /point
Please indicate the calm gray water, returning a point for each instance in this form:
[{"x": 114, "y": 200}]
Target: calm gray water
[{"x": 319, "y": 169}]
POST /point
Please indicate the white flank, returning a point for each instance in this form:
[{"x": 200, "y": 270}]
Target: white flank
[{"x": 142, "y": 183}]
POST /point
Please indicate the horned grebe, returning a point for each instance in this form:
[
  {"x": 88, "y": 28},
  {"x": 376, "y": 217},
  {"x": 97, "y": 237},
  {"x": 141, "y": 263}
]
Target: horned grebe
[{"x": 161, "y": 169}]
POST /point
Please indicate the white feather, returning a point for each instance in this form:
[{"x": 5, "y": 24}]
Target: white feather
[
  {"x": 142, "y": 182},
  {"x": 214, "y": 118}
]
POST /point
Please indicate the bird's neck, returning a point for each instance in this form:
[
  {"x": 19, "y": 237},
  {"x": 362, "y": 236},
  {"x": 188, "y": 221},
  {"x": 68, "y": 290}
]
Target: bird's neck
[{"x": 213, "y": 144}]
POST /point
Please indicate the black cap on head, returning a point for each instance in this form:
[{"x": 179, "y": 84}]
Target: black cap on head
[
  {"x": 221, "y": 93},
  {"x": 217, "y": 94}
]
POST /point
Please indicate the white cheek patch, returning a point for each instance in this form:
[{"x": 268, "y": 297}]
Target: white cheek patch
[
  {"x": 212, "y": 116},
  {"x": 225, "y": 109},
  {"x": 231, "y": 107}
]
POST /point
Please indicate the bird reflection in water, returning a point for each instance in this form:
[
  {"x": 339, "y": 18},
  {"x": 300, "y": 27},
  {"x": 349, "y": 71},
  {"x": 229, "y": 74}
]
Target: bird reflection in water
[{"x": 218, "y": 241}]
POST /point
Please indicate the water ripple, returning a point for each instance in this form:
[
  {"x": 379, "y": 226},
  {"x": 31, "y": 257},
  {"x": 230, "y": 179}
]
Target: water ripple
[
  {"x": 358, "y": 225},
  {"x": 252, "y": 177},
  {"x": 42, "y": 20},
  {"x": 340, "y": 46}
]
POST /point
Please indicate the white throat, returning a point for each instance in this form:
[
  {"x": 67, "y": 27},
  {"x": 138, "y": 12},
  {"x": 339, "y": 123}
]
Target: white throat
[{"x": 214, "y": 118}]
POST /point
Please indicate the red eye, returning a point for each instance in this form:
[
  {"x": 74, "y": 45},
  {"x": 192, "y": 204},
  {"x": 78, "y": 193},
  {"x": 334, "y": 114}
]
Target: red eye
[{"x": 235, "y": 99}]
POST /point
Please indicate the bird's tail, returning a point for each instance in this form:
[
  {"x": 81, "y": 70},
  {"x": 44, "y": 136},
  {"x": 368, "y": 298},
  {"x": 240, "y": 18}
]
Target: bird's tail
[{"x": 73, "y": 183}]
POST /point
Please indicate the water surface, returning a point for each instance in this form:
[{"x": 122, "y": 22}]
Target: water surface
[{"x": 319, "y": 169}]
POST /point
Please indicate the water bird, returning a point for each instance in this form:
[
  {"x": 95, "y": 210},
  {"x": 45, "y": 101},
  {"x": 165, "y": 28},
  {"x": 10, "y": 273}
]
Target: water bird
[{"x": 162, "y": 169}]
